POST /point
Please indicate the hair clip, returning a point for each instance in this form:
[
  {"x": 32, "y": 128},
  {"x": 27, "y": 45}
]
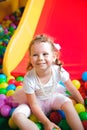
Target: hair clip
[{"x": 57, "y": 46}]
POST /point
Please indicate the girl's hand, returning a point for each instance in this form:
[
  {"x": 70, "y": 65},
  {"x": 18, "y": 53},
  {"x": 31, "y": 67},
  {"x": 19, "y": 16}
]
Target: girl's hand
[{"x": 51, "y": 126}]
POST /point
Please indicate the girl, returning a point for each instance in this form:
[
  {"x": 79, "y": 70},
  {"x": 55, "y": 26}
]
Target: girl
[{"x": 42, "y": 88}]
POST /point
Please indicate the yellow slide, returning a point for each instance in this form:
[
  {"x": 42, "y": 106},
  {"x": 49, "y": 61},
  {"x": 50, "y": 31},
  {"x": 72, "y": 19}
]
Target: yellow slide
[{"x": 19, "y": 42}]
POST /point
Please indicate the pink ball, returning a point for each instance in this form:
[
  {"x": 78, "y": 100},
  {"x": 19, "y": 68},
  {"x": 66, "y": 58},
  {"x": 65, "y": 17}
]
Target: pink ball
[
  {"x": 2, "y": 102},
  {"x": 5, "y": 110},
  {"x": 2, "y": 96}
]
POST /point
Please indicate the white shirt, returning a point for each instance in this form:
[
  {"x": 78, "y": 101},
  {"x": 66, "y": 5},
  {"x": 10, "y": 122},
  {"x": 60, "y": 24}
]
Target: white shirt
[{"x": 43, "y": 92}]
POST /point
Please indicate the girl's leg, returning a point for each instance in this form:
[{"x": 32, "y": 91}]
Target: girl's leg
[
  {"x": 20, "y": 118},
  {"x": 23, "y": 122},
  {"x": 72, "y": 116}
]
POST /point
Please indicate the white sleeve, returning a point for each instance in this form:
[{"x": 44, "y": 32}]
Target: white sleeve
[
  {"x": 64, "y": 75},
  {"x": 28, "y": 85}
]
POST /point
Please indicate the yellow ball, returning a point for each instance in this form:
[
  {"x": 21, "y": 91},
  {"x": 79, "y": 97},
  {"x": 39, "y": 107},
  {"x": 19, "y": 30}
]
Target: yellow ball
[
  {"x": 80, "y": 107},
  {"x": 76, "y": 83},
  {"x": 33, "y": 118},
  {"x": 3, "y": 85},
  {"x": 10, "y": 92},
  {"x": 19, "y": 87},
  {"x": 12, "y": 124}
]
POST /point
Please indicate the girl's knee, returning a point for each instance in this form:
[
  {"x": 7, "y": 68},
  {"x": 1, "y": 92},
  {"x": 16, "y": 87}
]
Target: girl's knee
[
  {"x": 22, "y": 109},
  {"x": 67, "y": 106}
]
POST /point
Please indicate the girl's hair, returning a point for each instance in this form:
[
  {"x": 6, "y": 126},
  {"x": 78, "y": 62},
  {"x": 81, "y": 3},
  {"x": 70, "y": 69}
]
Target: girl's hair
[{"x": 43, "y": 38}]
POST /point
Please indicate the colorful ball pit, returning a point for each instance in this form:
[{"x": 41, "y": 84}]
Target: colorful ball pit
[
  {"x": 7, "y": 28},
  {"x": 6, "y": 105},
  {"x": 11, "y": 84}
]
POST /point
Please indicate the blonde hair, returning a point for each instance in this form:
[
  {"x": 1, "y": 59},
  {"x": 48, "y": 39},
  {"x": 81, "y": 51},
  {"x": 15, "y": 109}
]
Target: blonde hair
[{"x": 43, "y": 38}]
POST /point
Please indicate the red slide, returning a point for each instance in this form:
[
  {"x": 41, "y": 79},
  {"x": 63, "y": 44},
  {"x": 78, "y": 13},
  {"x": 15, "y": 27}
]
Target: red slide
[{"x": 66, "y": 21}]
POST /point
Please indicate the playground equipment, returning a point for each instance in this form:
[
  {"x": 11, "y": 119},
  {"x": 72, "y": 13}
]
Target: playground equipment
[{"x": 23, "y": 34}]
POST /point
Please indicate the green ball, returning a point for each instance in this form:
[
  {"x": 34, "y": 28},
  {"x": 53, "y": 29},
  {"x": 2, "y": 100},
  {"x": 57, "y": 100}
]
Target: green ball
[
  {"x": 85, "y": 102},
  {"x": 40, "y": 125},
  {"x": 64, "y": 125},
  {"x": 3, "y": 91},
  {"x": 20, "y": 78},
  {"x": 83, "y": 116}
]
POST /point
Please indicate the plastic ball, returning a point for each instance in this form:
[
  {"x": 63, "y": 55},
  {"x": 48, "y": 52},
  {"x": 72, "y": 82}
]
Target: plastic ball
[
  {"x": 19, "y": 87},
  {"x": 9, "y": 100},
  {"x": 20, "y": 78},
  {"x": 40, "y": 125},
  {"x": 11, "y": 87},
  {"x": 62, "y": 113},
  {"x": 3, "y": 91},
  {"x": 18, "y": 83},
  {"x": 3, "y": 78},
  {"x": 3, "y": 85},
  {"x": 12, "y": 81},
  {"x": 2, "y": 97},
  {"x": 84, "y": 124},
  {"x": 79, "y": 107},
  {"x": 85, "y": 85},
  {"x": 10, "y": 92},
  {"x": 76, "y": 83},
  {"x": 12, "y": 124},
  {"x": 84, "y": 76},
  {"x": 11, "y": 111},
  {"x": 33, "y": 118},
  {"x": 55, "y": 117},
  {"x": 85, "y": 102},
  {"x": 2, "y": 102},
  {"x": 83, "y": 116},
  {"x": 5, "y": 110},
  {"x": 64, "y": 125}
]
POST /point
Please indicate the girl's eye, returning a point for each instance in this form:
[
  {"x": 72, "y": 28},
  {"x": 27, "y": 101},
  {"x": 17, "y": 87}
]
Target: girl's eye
[
  {"x": 34, "y": 54},
  {"x": 45, "y": 54}
]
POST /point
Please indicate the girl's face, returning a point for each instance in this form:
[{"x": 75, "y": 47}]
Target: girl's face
[{"x": 41, "y": 56}]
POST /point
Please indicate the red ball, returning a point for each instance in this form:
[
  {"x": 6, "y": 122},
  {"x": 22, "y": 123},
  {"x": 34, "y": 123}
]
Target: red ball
[
  {"x": 55, "y": 117},
  {"x": 12, "y": 81},
  {"x": 85, "y": 85},
  {"x": 84, "y": 124},
  {"x": 19, "y": 83}
]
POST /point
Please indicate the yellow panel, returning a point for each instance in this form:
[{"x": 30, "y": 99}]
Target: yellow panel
[{"x": 19, "y": 43}]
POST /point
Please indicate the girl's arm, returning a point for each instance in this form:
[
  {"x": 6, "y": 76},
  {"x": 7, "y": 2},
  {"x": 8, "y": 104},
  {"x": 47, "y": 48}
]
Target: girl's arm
[
  {"x": 36, "y": 110},
  {"x": 74, "y": 92}
]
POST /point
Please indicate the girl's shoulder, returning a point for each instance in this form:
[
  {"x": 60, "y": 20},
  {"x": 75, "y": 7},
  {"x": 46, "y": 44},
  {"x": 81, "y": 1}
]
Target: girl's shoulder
[
  {"x": 30, "y": 74},
  {"x": 60, "y": 73},
  {"x": 55, "y": 67}
]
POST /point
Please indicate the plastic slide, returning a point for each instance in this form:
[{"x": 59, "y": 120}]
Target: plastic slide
[{"x": 19, "y": 42}]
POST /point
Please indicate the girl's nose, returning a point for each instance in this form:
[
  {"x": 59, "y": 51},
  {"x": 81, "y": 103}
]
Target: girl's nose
[{"x": 40, "y": 57}]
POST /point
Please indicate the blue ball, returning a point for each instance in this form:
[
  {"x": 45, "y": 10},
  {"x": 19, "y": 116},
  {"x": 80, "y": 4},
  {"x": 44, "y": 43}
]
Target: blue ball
[
  {"x": 62, "y": 113},
  {"x": 84, "y": 76},
  {"x": 11, "y": 87}
]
